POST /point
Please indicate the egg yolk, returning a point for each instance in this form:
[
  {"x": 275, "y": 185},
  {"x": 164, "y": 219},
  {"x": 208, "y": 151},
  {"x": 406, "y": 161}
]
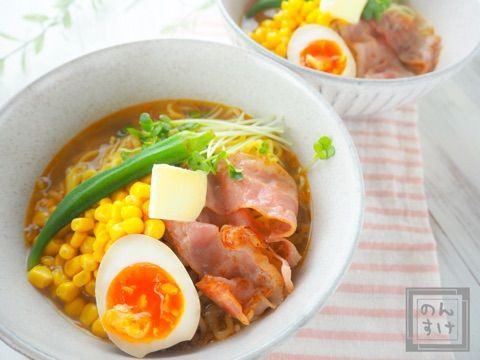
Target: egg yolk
[
  {"x": 324, "y": 55},
  {"x": 144, "y": 303}
]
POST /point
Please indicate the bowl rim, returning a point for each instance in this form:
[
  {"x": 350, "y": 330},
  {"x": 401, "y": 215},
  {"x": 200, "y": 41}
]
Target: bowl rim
[
  {"x": 433, "y": 75},
  {"x": 32, "y": 352}
]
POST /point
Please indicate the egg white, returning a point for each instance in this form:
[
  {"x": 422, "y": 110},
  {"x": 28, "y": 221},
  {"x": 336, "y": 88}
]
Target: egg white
[
  {"x": 133, "y": 249},
  {"x": 306, "y": 34}
]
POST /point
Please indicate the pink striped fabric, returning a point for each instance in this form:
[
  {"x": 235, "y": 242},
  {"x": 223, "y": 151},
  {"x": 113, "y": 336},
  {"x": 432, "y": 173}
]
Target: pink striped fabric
[{"x": 365, "y": 318}]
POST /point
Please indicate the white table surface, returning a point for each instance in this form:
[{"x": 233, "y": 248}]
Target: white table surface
[{"x": 449, "y": 122}]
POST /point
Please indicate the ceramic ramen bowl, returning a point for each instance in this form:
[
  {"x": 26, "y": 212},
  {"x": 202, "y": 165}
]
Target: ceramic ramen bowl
[
  {"x": 45, "y": 115},
  {"x": 456, "y": 23}
]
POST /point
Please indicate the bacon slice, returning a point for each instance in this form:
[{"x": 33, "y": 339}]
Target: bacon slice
[
  {"x": 265, "y": 188},
  {"x": 374, "y": 58},
  {"x": 238, "y": 270},
  {"x": 401, "y": 44},
  {"x": 412, "y": 38}
]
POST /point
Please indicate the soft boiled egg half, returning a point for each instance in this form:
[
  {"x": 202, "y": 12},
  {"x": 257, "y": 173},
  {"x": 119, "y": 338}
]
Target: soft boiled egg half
[
  {"x": 321, "y": 48},
  {"x": 145, "y": 297}
]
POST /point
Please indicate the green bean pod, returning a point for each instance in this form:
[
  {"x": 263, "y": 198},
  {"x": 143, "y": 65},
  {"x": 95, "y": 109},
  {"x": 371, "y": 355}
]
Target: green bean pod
[
  {"x": 174, "y": 150},
  {"x": 262, "y": 5}
]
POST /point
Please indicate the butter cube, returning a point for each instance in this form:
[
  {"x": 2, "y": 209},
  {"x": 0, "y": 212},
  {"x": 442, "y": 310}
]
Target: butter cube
[
  {"x": 348, "y": 10},
  {"x": 176, "y": 193}
]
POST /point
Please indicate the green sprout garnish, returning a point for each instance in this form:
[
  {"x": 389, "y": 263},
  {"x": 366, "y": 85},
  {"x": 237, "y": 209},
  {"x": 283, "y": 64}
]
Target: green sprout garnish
[
  {"x": 324, "y": 150},
  {"x": 375, "y": 9}
]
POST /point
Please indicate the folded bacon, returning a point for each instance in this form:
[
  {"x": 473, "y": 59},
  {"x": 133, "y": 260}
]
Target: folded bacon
[
  {"x": 374, "y": 58},
  {"x": 237, "y": 269},
  {"x": 265, "y": 188},
  {"x": 412, "y": 38},
  {"x": 401, "y": 44}
]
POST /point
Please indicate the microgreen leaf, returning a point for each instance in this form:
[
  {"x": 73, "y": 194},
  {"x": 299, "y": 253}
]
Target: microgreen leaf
[
  {"x": 67, "y": 19},
  {"x": 323, "y": 148},
  {"x": 263, "y": 149},
  {"x": 375, "y": 9},
  {"x": 146, "y": 122},
  {"x": 233, "y": 172},
  {"x": 8, "y": 36}
]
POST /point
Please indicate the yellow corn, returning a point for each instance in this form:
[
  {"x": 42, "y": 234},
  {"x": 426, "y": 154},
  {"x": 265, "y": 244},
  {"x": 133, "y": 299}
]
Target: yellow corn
[
  {"x": 74, "y": 308},
  {"x": 133, "y": 225},
  {"x": 90, "y": 288},
  {"x": 52, "y": 247},
  {"x": 73, "y": 266},
  {"x": 77, "y": 239},
  {"x": 67, "y": 251},
  {"x": 87, "y": 246},
  {"x": 119, "y": 195},
  {"x": 140, "y": 190},
  {"x": 58, "y": 276},
  {"x": 116, "y": 211},
  {"x": 89, "y": 314},
  {"x": 59, "y": 261},
  {"x": 154, "y": 228},
  {"x": 90, "y": 214},
  {"x": 145, "y": 207},
  {"x": 97, "y": 329},
  {"x": 82, "y": 278},
  {"x": 116, "y": 231},
  {"x": 105, "y": 201},
  {"x": 104, "y": 212},
  {"x": 40, "y": 218},
  {"x": 133, "y": 200},
  {"x": 82, "y": 224},
  {"x": 67, "y": 291},
  {"x": 48, "y": 261},
  {"x": 88, "y": 262},
  {"x": 99, "y": 228},
  {"x": 130, "y": 211},
  {"x": 40, "y": 276}
]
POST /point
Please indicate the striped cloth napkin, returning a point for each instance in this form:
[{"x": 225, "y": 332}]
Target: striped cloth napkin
[{"x": 365, "y": 318}]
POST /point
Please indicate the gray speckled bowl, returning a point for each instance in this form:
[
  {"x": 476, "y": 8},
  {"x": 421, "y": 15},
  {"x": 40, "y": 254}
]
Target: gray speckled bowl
[
  {"x": 456, "y": 22},
  {"x": 39, "y": 120}
]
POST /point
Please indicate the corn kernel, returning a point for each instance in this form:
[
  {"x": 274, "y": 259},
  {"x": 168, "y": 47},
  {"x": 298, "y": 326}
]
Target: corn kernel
[
  {"x": 90, "y": 214},
  {"x": 133, "y": 226},
  {"x": 147, "y": 179},
  {"x": 104, "y": 212},
  {"x": 119, "y": 195},
  {"x": 82, "y": 224},
  {"x": 58, "y": 276},
  {"x": 40, "y": 276},
  {"x": 48, "y": 261},
  {"x": 88, "y": 174},
  {"x": 67, "y": 251},
  {"x": 132, "y": 200},
  {"x": 89, "y": 314},
  {"x": 77, "y": 239},
  {"x": 98, "y": 255},
  {"x": 82, "y": 278},
  {"x": 116, "y": 211},
  {"x": 40, "y": 218},
  {"x": 117, "y": 231},
  {"x": 87, "y": 246},
  {"x": 130, "y": 211},
  {"x": 74, "y": 308},
  {"x": 52, "y": 247},
  {"x": 145, "y": 207},
  {"x": 88, "y": 262},
  {"x": 154, "y": 228},
  {"x": 99, "y": 228},
  {"x": 140, "y": 190},
  {"x": 90, "y": 288},
  {"x": 105, "y": 201},
  {"x": 73, "y": 266},
  {"x": 97, "y": 329},
  {"x": 59, "y": 261},
  {"x": 67, "y": 291}
]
